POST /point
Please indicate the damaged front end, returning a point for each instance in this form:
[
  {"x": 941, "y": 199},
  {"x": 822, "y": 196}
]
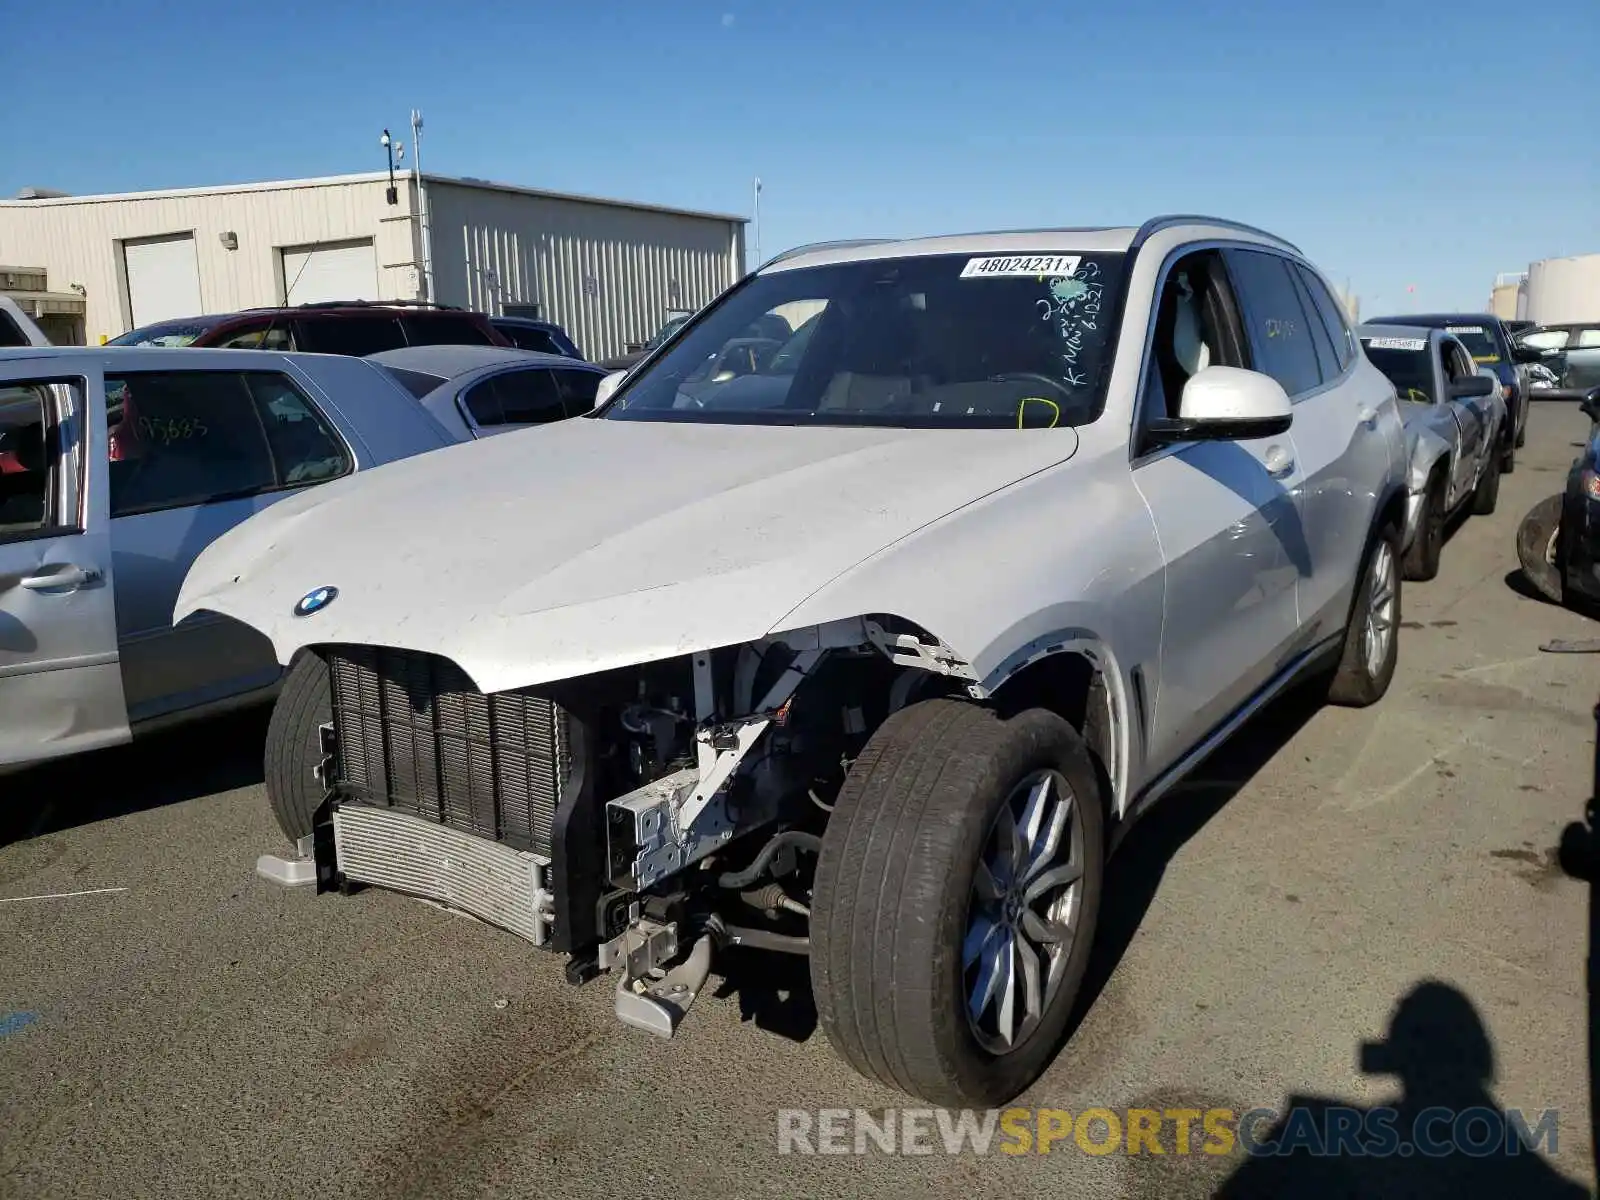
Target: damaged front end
[{"x": 633, "y": 819}]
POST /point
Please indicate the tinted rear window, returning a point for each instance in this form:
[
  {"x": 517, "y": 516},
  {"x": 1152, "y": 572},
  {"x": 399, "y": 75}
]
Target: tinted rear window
[
  {"x": 525, "y": 338},
  {"x": 444, "y": 329},
  {"x": 359, "y": 334}
]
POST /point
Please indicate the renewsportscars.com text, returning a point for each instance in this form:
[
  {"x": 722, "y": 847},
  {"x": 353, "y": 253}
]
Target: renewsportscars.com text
[{"x": 1259, "y": 1132}]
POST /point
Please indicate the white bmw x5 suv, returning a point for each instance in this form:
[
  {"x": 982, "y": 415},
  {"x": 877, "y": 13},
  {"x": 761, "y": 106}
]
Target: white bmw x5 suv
[{"x": 859, "y": 622}]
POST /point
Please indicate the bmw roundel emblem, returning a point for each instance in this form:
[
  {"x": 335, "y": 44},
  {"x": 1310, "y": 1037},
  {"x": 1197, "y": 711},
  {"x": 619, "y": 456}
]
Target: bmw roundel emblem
[{"x": 315, "y": 601}]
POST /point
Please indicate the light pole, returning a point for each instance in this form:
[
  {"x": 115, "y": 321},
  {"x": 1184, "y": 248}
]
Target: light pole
[
  {"x": 387, "y": 143},
  {"x": 422, "y": 204},
  {"x": 757, "y": 222}
]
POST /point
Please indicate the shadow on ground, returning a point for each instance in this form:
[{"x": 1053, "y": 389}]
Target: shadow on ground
[
  {"x": 164, "y": 768},
  {"x": 1446, "y": 1134}
]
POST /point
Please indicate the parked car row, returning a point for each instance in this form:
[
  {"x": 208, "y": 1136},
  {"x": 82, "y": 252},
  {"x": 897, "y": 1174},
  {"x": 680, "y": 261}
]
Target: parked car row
[
  {"x": 859, "y": 619},
  {"x": 1457, "y": 431}
]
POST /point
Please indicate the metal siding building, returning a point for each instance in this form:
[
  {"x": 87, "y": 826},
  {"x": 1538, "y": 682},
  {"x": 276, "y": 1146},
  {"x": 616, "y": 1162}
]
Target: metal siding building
[
  {"x": 608, "y": 273},
  {"x": 608, "y": 270}
]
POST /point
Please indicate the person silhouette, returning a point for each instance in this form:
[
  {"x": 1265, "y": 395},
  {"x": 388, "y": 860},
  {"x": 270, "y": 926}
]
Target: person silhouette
[{"x": 1445, "y": 1136}]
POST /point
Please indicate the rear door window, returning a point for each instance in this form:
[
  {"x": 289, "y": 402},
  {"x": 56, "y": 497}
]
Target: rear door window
[
  {"x": 526, "y": 397},
  {"x": 529, "y": 397},
  {"x": 1275, "y": 321},
  {"x": 25, "y": 435},
  {"x": 1332, "y": 314},
  {"x": 358, "y": 334},
  {"x": 181, "y": 438}
]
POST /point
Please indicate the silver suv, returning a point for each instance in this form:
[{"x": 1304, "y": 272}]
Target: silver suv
[{"x": 869, "y": 650}]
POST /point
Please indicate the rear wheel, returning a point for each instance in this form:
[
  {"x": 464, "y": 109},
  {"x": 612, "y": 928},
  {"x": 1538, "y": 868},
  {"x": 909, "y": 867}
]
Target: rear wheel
[
  {"x": 1487, "y": 494},
  {"x": 1422, "y": 559},
  {"x": 294, "y": 745},
  {"x": 1539, "y": 548},
  {"x": 955, "y": 900},
  {"x": 1508, "y": 457},
  {"x": 1371, "y": 637}
]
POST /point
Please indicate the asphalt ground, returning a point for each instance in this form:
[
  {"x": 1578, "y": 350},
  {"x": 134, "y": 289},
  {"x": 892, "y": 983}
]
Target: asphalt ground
[{"x": 202, "y": 1032}]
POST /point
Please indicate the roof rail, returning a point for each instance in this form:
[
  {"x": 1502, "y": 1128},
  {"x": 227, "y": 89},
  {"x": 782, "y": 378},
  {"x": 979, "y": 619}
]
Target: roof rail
[
  {"x": 812, "y": 247},
  {"x": 378, "y": 304},
  {"x": 1155, "y": 224}
]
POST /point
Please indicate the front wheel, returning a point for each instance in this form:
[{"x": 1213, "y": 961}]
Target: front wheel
[
  {"x": 1508, "y": 457},
  {"x": 955, "y": 900},
  {"x": 294, "y": 745},
  {"x": 1371, "y": 637},
  {"x": 1422, "y": 559},
  {"x": 1539, "y": 548}
]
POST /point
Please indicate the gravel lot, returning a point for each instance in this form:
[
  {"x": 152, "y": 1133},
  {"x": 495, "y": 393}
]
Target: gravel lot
[{"x": 203, "y": 1032}]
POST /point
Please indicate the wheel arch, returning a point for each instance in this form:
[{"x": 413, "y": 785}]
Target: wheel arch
[{"x": 1075, "y": 674}]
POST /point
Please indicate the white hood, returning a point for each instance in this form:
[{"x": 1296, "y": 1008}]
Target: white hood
[{"x": 588, "y": 544}]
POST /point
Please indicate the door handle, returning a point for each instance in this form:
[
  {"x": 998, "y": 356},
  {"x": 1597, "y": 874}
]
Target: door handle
[
  {"x": 71, "y": 577},
  {"x": 1368, "y": 417},
  {"x": 1280, "y": 463}
]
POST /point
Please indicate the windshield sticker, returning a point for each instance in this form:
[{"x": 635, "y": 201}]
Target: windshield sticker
[
  {"x": 1463, "y": 328},
  {"x": 1486, "y": 358},
  {"x": 1074, "y": 306},
  {"x": 1037, "y": 265},
  {"x": 1396, "y": 343}
]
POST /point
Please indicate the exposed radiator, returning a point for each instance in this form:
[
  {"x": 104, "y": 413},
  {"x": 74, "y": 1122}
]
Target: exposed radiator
[
  {"x": 413, "y": 734},
  {"x": 494, "y": 882}
]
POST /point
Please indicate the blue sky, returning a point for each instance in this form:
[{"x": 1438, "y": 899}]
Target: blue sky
[{"x": 1398, "y": 147}]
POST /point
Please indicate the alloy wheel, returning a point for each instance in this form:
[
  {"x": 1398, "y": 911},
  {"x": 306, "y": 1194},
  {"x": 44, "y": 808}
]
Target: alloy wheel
[
  {"x": 1380, "y": 608},
  {"x": 1022, "y": 916}
]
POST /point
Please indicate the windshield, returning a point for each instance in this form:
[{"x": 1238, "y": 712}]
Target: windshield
[
  {"x": 1478, "y": 340},
  {"x": 170, "y": 333},
  {"x": 959, "y": 341},
  {"x": 1406, "y": 363}
]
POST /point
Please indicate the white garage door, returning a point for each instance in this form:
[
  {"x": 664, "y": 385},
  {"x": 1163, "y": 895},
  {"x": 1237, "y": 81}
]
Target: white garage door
[
  {"x": 330, "y": 271},
  {"x": 163, "y": 278}
]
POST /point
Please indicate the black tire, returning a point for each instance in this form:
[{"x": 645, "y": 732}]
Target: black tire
[
  {"x": 1522, "y": 430},
  {"x": 1354, "y": 684},
  {"x": 1486, "y": 496},
  {"x": 1422, "y": 558},
  {"x": 893, "y": 884},
  {"x": 1508, "y": 457},
  {"x": 294, "y": 745},
  {"x": 1534, "y": 539}
]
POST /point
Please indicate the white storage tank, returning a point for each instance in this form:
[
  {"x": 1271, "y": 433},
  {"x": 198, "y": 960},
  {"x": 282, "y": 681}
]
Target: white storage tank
[{"x": 1564, "y": 290}]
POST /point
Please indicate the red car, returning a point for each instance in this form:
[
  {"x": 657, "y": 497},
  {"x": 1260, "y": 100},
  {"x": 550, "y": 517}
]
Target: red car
[{"x": 357, "y": 327}]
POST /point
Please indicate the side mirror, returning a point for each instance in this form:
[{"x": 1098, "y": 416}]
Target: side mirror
[
  {"x": 1227, "y": 404},
  {"x": 608, "y": 386},
  {"x": 1472, "y": 385},
  {"x": 1590, "y": 404},
  {"x": 1526, "y": 354}
]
